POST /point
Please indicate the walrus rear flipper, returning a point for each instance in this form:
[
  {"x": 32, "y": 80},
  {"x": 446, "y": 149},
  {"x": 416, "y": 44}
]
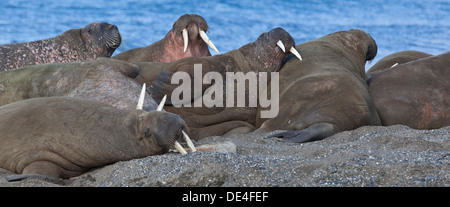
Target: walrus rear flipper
[{"x": 314, "y": 132}]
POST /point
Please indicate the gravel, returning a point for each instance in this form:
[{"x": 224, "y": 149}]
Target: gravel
[{"x": 367, "y": 156}]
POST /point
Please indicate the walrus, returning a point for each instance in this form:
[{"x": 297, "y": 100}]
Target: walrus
[
  {"x": 415, "y": 93},
  {"x": 395, "y": 59},
  {"x": 266, "y": 54},
  {"x": 325, "y": 93},
  {"x": 105, "y": 80},
  {"x": 88, "y": 43},
  {"x": 187, "y": 38},
  {"x": 63, "y": 137}
]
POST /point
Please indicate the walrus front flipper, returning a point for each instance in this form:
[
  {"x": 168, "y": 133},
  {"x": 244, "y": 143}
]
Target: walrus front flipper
[
  {"x": 314, "y": 132},
  {"x": 160, "y": 87},
  {"x": 14, "y": 178}
]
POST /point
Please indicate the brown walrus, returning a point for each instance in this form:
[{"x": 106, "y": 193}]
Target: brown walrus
[
  {"x": 395, "y": 59},
  {"x": 187, "y": 38},
  {"x": 88, "y": 43},
  {"x": 266, "y": 54},
  {"x": 64, "y": 137},
  {"x": 415, "y": 93},
  {"x": 325, "y": 93},
  {"x": 105, "y": 80}
]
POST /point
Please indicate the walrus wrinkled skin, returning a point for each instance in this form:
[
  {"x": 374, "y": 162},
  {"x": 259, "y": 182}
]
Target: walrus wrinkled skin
[
  {"x": 415, "y": 93},
  {"x": 64, "y": 137},
  {"x": 395, "y": 59},
  {"x": 263, "y": 55},
  {"x": 88, "y": 43},
  {"x": 325, "y": 93},
  {"x": 171, "y": 47},
  {"x": 105, "y": 80}
]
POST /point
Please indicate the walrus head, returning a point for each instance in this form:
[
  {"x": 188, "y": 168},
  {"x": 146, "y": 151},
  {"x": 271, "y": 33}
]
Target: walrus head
[
  {"x": 269, "y": 52},
  {"x": 166, "y": 128},
  {"x": 190, "y": 31},
  {"x": 103, "y": 38}
]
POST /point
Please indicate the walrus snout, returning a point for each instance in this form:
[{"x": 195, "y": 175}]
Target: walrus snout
[
  {"x": 372, "y": 49},
  {"x": 368, "y": 41},
  {"x": 193, "y": 27},
  {"x": 166, "y": 128},
  {"x": 190, "y": 19},
  {"x": 114, "y": 39},
  {"x": 193, "y": 31}
]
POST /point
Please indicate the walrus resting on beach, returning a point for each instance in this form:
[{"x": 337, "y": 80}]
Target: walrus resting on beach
[
  {"x": 64, "y": 137},
  {"x": 88, "y": 43},
  {"x": 105, "y": 80},
  {"x": 416, "y": 93},
  {"x": 395, "y": 59},
  {"x": 187, "y": 38},
  {"x": 325, "y": 93},
  {"x": 266, "y": 54}
]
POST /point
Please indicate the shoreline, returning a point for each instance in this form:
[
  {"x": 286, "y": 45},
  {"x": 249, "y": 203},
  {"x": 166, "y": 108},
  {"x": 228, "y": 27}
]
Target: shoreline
[{"x": 368, "y": 156}]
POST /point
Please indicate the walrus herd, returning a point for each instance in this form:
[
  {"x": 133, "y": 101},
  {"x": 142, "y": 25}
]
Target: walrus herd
[{"x": 67, "y": 106}]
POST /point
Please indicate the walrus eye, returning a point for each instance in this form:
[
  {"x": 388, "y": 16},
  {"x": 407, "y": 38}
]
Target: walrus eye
[
  {"x": 89, "y": 31},
  {"x": 147, "y": 132}
]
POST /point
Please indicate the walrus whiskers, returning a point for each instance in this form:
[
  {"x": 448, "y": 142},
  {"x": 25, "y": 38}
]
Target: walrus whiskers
[
  {"x": 113, "y": 40},
  {"x": 207, "y": 40}
]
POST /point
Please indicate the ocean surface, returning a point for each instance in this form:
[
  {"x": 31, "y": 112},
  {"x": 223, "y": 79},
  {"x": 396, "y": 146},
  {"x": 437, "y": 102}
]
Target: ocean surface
[{"x": 395, "y": 25}]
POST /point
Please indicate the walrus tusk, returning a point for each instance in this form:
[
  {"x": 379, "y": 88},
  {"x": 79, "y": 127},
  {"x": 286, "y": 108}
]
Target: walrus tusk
[
  {"x": 161, "y": 105},
  {"x": 189, "y": 141},
  {"x": 281, "y": 45},
  {"x": 207, "y": 40},
  {"x": 186, "y": 137},
  {"x": 394, "y": 65},
  {"x": 180, "y": 148},
  {"x": 140, "y": 104},
  {"x": 295, "y": 52},
  {"x": 292, "y": 50},
  {"x": 185, "y": 39}
]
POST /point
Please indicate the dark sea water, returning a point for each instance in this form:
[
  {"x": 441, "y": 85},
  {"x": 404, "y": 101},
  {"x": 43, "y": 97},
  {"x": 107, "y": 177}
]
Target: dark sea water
[{"x": 395, "y": 25}]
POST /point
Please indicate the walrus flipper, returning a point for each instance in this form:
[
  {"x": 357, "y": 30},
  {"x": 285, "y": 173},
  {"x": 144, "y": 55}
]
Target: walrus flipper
[
  {"x": 160, "y": 87},
  {"x": 314, "y": 132},
  {"x": 14, "y": 178}
]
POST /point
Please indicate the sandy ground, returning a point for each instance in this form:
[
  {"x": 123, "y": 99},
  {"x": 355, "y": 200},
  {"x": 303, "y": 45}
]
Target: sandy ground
[{"x": 367, "y": 156}]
